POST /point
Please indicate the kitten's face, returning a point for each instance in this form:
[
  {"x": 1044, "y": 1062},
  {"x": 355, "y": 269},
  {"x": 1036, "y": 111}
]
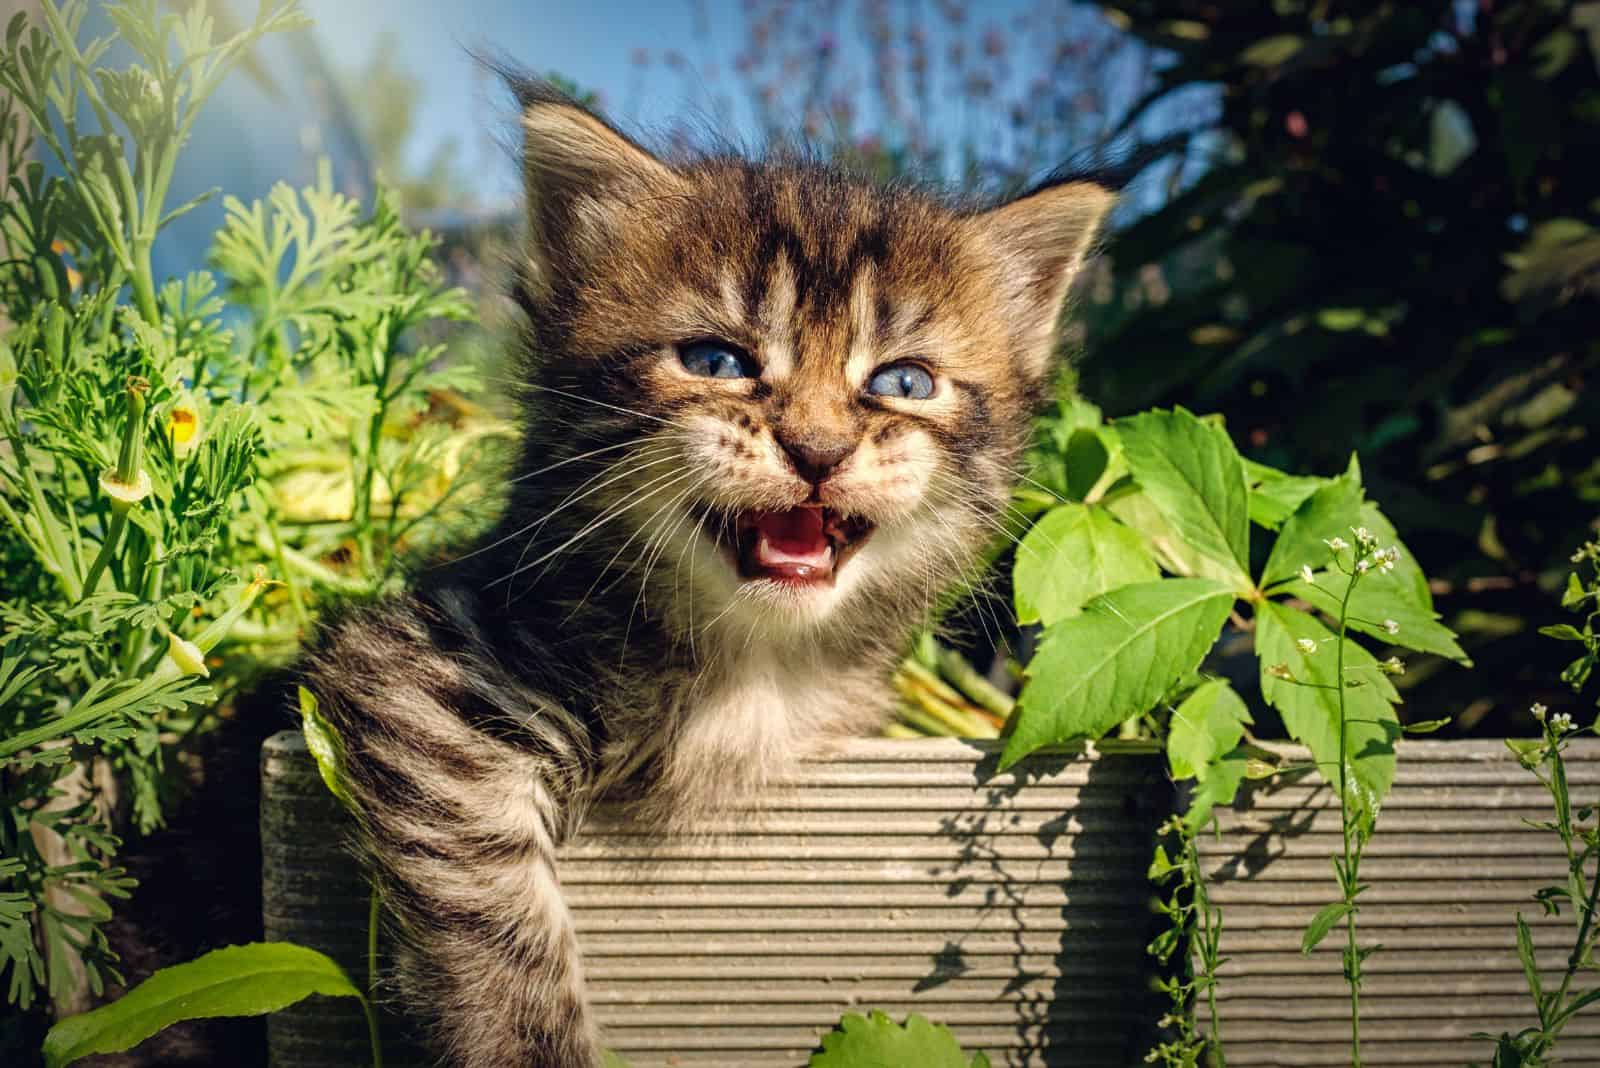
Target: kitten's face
[{"x": 813, "y": 393}]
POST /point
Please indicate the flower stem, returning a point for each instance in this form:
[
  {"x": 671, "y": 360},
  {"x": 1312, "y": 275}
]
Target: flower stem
[
  {"x": 1347, "y": 876},
  {"x": 372, "y": 979}
]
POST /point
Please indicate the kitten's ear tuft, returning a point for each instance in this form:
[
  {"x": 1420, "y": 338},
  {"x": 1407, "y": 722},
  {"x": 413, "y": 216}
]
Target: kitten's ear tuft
[
  {"x": 1040, "y": 240},
  {"x": 580, "y": 174}
]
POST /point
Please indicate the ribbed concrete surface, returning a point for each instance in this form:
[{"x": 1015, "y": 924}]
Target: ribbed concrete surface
[
  {"x": 899, "y": 875},
  {"x": 1450, "y": 866},
  {"x": 905, "y": 876}
]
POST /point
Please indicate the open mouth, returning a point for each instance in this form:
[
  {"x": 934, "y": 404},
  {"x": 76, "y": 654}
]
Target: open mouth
[{"x": 806, "y": 545}]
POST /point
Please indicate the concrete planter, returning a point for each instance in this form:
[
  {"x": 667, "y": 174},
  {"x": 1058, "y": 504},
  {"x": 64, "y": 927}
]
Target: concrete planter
[{"x": 908, "y": 876}]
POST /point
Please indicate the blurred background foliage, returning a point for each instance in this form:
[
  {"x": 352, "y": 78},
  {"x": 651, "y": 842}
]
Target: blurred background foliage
[
  {"x": 1391, "y": 250},
  {"x": 1346, "y": 226}
]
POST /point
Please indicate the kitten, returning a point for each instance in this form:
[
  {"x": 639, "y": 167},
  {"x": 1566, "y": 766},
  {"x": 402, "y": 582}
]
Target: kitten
[{"x": 771, "y": 412}]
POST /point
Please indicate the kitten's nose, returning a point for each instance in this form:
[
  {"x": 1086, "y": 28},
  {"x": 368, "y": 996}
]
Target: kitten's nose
[{"x": 815, "y": 458}]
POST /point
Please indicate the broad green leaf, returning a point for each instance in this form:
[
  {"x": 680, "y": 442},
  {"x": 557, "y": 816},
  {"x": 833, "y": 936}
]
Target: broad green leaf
[
  {"x": 1310, "y": 706},
  {"x": 1219, "y": 786},
  {"x": 1328, "y": 513},
  {"x": 1274, "y": 495},
  {"x": 1322, "y": 923},
  {"x": 876, "y": 1041},
  {"x": 1400, "y": 596},
  {"x": 1381, "y": 598},
  {"x": 1085, "y": 461},
  {"x": 247, "y": 980},
  {"x": 1193, "y": 475},
  {"x": 1115, "y": 660},
  {"x": 326, "y": 748},
  {"x": 1072, "y": 555},
  {"x": 1208, "y": 723}
]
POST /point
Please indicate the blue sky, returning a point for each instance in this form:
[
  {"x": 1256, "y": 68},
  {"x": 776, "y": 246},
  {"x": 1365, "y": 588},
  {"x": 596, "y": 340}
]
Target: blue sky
[{"x": 250, "y": 138}]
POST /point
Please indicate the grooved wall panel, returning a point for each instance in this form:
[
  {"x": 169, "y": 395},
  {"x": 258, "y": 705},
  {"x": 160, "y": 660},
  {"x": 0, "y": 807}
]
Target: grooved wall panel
[
  {"x": 908, "y": 876},
  {"x": 1450, "y": 867},
  {"x": 905, "y": 876}
]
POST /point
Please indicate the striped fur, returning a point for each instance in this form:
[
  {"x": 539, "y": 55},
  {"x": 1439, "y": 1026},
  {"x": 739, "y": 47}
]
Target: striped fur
[{"x": 598, "y": 642}]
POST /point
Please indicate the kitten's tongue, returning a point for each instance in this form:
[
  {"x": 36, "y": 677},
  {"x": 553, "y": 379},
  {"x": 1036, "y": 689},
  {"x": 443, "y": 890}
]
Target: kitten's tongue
[{"x": 792, "y": 544}]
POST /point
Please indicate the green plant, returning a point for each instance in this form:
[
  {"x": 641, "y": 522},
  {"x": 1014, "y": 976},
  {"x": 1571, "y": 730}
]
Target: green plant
[
  {"x": 1386, "y": 207},
  {"x": 246, "y": 980},
  {"x": 166, "y": 445},
  {"x": 1166, "y": 491},
  {"x": 1532, "y": 1046},
  {"x": 876, "y": 1041}
]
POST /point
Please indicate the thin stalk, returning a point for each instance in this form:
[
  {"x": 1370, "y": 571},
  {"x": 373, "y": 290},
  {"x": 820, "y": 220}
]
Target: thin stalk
[
  {"x": 1575, "y": 958},
  {"x": 1203, "y": 903},
  {"x": 1347, "y": 879},
  {"x": 372, "y": 979}
]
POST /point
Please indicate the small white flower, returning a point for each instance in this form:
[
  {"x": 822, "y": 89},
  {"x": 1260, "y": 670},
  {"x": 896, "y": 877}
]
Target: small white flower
[
  {"x": 1363, "y": 536},
  {"x": 1393, "y": 666},
  {"x": 187, "y": 655},
  {"x": 1561, "y": 723},
  {"x": 1391, "y": 627},
  {"x": 1538, "y": 710},
  {"x": 1307, "y": 575},
  {"x": 1363, "y": 566},
  {"x": 1337, "y": 544},
  {"x": 1387, "y": 558},
  {"x": 1306, "y": 645}
]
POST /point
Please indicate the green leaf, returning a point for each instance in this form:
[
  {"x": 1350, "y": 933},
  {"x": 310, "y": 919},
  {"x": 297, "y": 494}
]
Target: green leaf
[
  {"x": 1563, "y": 632},
  {"x": 1085, "y": 461},
  {"x": 1073, "y": 554},
  {"x": 1329, "y": 512},
  {"x": 1272, "y": 51},
  {"x": 1193, "y": 475},
  {"x": 1208, "y": 723},
  {"x": 1310, "y": 706},
  {"x": 1530, "y": 965},
  {"x": 1427, "y": 726},
  {"x": 1274, "y": 496},
  {"x": 1575, "y": 593},
  {"x": 876, "y": 1041},
  {"x": 1588, "y": 997},
  {"x": 1219, "y": 786},
  {"x": 1115, "y": 660},
  {"x": 1322, "y": 923},
  {"x": 1400, "y": 595},
  {"x": 326, "y": 747},
  {"x": 247, "y": 980}
]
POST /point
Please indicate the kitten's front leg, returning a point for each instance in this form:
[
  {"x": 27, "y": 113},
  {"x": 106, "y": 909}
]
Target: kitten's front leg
[{"x": 460, "y": 828}]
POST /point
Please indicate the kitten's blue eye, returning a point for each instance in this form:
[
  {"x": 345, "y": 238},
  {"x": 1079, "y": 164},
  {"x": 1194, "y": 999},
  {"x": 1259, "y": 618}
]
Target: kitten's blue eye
[
  {"x": 905, "y": 380},
  {"x": 711, "y": 359}
]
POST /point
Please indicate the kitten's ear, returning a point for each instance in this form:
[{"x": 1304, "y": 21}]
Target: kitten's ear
[
  {"x": 1040, "y": 240},
  {"x": 580, "y": 176}
]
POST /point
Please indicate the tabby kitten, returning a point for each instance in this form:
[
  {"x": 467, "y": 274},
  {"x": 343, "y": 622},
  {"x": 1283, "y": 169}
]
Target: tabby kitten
[{"x": 771, "y": 412}]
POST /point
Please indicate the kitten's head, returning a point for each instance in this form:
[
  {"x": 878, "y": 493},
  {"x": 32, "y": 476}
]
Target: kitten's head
[{"x": 803, "y": 397}]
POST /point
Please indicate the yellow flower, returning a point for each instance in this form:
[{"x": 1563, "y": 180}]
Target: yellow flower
[{"x": 184, "y": 427}]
